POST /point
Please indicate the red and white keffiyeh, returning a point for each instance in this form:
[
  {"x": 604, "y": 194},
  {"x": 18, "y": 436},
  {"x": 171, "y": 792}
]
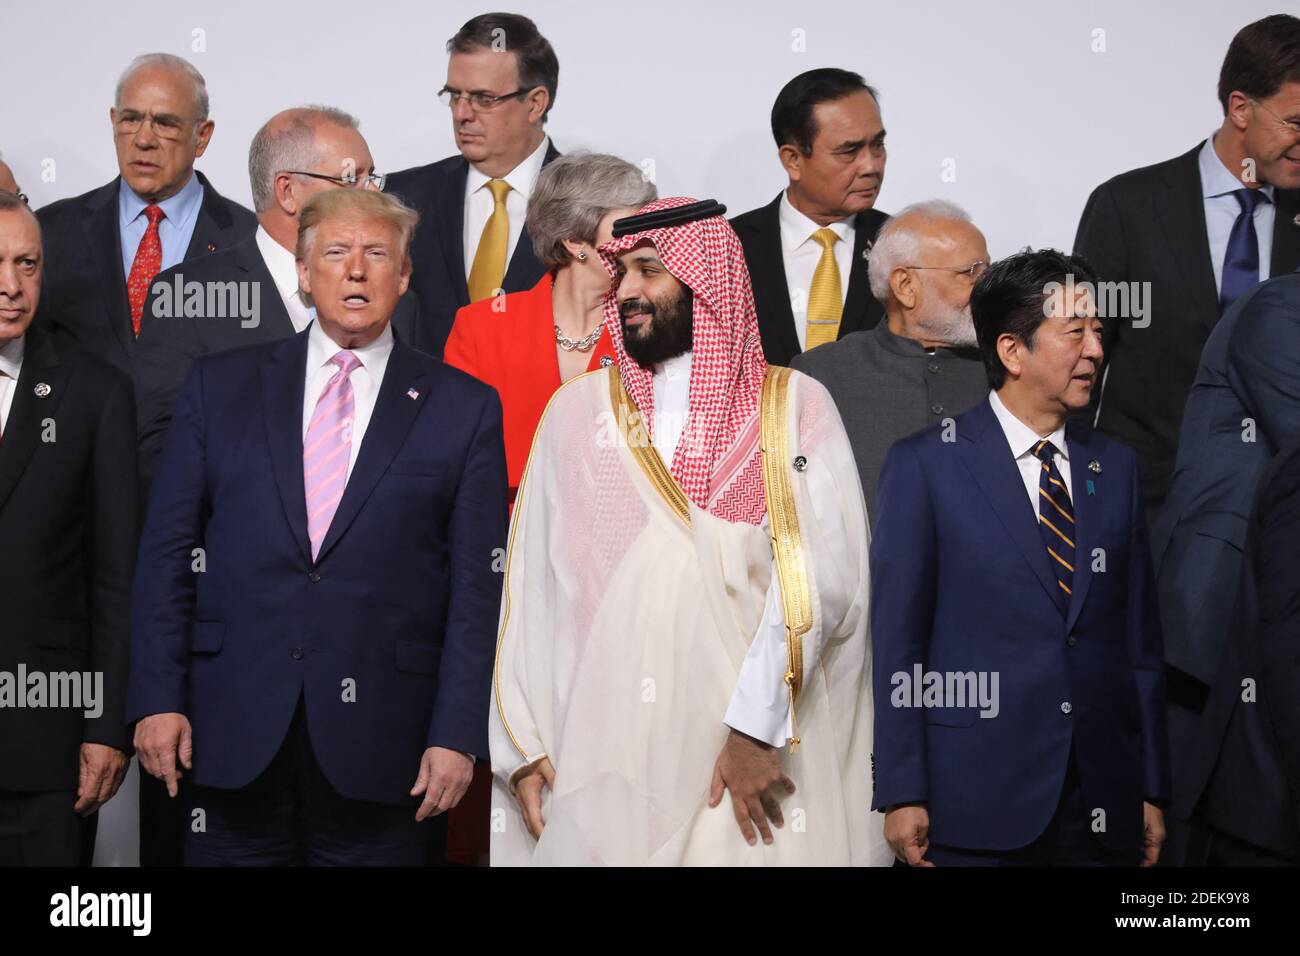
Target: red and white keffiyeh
[{"x": 717, "y": 461}]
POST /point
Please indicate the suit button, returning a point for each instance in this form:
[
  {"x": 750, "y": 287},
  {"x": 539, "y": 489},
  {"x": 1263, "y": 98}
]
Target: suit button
[
  {"x": 933, "y": 366},
  {"x": 937, "y": 408},
  {"x": 314, "y": 578},
  {"x": 1071, "y": 640},
  {"x": 1066, "y": 707},
  {"x": 296, "y": 653}
]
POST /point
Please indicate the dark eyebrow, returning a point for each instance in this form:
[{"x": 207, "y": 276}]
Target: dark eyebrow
[{"x": 851, "y": 146}]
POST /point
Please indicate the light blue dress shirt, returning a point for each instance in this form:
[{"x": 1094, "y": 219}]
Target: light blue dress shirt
[
  {"x": 1218, "y": 183},
  {"x": 175, "y": 230}
]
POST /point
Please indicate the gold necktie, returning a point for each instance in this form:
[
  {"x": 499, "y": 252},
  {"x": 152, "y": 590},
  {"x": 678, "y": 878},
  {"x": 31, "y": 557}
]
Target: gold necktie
[
  {"x": 825, "y": 304},
  {"x": 489, "y": 269}
]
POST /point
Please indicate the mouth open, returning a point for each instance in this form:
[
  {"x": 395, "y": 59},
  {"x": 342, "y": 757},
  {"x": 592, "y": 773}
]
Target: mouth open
[{"x": 356, "y": 301}]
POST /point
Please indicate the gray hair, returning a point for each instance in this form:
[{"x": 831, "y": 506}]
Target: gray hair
[
  {"x": 175, "y": 64},
  {"x": 898, "y": 245},
  {"x": 281, "y": 145},
  {"x": 574, "y": 193}
]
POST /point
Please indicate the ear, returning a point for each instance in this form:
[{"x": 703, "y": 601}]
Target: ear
[
  {"x": 1010, "y": 351},
  {"x": 1238, "y": 115},
  {"x": 112, "y": 116},
  {"x": 538, "y": 100},
  {"x": 204, "y": 135},
  {"x": 792, "y": 160},
  {"x": 284, "y": 194},
  {"x": 574, "y": 246},
  {"x": 904, "y": 287},
  {"x": 304, "y": 283},
  {"x": 405, "y": 279}
]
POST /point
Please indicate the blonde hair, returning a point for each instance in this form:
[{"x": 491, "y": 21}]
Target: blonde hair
[{"x": 356, "y": 203}]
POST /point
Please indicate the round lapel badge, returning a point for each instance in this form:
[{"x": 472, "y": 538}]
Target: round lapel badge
[{"x": 42, "y": 390}]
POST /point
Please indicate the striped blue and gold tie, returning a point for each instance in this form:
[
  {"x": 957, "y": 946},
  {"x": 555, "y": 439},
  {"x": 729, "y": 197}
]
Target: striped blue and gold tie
[{"x": 1056, "y": 521}]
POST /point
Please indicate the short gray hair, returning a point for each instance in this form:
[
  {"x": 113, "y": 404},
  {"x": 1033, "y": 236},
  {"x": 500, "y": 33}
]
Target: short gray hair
[
  {"x": 288, "y": 144},
  {"x": 897, "y": 245},
  {"x": 166, "y": 61},
  {"x": 572, "y": 195}
]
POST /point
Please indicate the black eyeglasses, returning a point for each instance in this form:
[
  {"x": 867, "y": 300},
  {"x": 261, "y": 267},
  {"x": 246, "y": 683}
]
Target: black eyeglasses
[
  {"x": 478, "y": 99},
  {"x": 374, "y": 180}
]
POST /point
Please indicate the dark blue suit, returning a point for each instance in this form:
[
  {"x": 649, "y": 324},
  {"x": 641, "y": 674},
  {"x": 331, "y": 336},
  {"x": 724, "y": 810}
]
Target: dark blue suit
[
  {"x": 402, "y": 602},
  {"x": 961, "y": 582}
]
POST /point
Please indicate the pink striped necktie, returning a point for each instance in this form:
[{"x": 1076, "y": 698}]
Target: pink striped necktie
[{"x": 327, "y": 449}]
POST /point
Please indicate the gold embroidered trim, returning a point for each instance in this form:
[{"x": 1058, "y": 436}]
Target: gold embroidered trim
[
  {"x": 787, "y": 545},
  {"x": 644, "y": 451}
]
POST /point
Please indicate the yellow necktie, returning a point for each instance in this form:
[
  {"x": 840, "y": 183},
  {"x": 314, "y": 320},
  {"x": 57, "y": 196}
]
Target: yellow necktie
[
  {"x": 825, "y": 304},
  {"x": 489, "y": 269}
]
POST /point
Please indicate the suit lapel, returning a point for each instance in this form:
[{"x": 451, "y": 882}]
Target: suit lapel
[
  {"x": 104, "y": 241},
  {"x": 1087, "y": 516},
  {"x": 274, "y": 321},
  {"x": 1286, "y": 233},
  {"x": 777, "y": 318},
  {"x": 523, "y": 269},
  {"x": 394, "y": 412},
  {"x": 449, "y": 210},
  {"x": 22, "y": 433},
  {"x": 1181, "y": 212},
  {"x": 989, "y": 460},
  {"x": 283, "y": 379},
  {"x": 858, "y": 297}
]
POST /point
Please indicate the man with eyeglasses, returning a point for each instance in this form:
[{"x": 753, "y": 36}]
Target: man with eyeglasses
[
  {"x": 295, "y": 155},
  {"x": 105, "y": 247},
  {"x": 921, "y": 365},
  {"x": 1202, "y": 230},
  {"x": 471, "y": 243}
]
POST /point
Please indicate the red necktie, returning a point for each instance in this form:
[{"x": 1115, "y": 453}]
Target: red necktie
[{"x": 148, "y": 262}]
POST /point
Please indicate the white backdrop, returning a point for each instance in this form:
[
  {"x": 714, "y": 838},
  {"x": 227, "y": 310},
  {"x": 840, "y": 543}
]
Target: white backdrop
[{"x": 1026, "y": 104}]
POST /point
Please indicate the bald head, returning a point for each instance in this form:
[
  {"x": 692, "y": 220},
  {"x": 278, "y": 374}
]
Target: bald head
[
  {"x": 922, "y": 269},
  {"x": 317, "y": 140}
]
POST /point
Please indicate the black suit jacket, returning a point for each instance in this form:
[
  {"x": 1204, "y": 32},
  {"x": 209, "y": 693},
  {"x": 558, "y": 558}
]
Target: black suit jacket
[
  {"x": 84, "y": 295},
  {"x": 168, "y": 344},
  {"x": 68, "y": 529},
  {"x": 1148, "y": 225},
  {"x": 437, "y": 193},
  {"x": 760, "y": 234},
  {"x": 1244, "y": 776}
]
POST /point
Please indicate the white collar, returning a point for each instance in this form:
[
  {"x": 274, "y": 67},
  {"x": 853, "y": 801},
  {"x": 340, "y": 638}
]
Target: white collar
[
  {"x": 321, "y": 348},
  {"x": 11, "y": 356},
  {"x": 677, "y": 367},
  {"x": 1216, "y": 178},
  {"x": 796, "y": 228},
  {"x": 521, "y": 178},
  {"x": 1020, "y": 436},
  {"x": 280, "y": 262}
]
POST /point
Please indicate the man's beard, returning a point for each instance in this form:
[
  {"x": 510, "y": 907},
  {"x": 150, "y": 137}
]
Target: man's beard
[
  {"x": 668, "y": 332},
  {"x": 953, "y": 327}
]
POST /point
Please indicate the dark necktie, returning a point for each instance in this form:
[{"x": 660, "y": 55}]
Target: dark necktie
[
  {"x": 1056, "y": 522},
  {"x": 1241, "y": 261}
]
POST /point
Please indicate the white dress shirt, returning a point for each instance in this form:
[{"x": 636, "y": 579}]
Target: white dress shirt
[
  {"x": 800, "y": 255},
  {"x": 479, "y": 202},
  {"x": 1022, "y": 440},
  {"x": 11, "y": 364},
  {"x": 365, "y": 379},
  {"x": 282, "y": 265},
  {"x": 1218, "y": 183},
  {"x": 760, "y": 704}
]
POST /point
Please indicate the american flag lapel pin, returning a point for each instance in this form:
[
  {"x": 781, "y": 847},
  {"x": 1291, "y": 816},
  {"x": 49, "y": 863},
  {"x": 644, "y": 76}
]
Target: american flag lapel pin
[{"x": 412, "y": 394}]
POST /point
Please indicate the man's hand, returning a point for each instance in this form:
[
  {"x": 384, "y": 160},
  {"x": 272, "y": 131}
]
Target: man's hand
[
  {"x": 444, "y": 778},
  {"x": 1153, "y": 833},
  {"x": 102, "y": 770},
  {"x": 907, "y": 828},
  {"x": 751, "y": 770},
  {"x": 159, "y": 740},
  {"x": 528, "y": 793}
]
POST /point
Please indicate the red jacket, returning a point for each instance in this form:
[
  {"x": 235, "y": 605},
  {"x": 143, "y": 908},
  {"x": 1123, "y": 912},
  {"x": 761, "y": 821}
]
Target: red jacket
[{"x": 512, "y": 348}]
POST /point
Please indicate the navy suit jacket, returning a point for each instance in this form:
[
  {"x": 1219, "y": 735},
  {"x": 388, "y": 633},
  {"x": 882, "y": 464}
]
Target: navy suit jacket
[
  {"x": 1244, "y": 407},
  {"x": 960, "y": 582},
  {"x": 440, "y": 273},
  {"x": 388, "y": 636}
]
